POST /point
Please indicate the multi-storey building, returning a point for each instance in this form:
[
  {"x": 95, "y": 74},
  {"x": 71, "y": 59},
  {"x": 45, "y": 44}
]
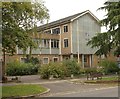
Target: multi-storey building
[{"x": 65, "y": 39}]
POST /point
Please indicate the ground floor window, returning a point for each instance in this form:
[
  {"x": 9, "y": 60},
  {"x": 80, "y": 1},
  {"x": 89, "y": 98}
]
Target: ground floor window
[
  {"x": 55, "y": 59},
  {"x": 45, "y": 60},
  {"x": 23, "y": 59}
]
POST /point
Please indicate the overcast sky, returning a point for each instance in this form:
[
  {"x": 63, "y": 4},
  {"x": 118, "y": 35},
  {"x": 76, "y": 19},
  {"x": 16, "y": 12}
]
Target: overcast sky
[{"x": 62, "y": 8}]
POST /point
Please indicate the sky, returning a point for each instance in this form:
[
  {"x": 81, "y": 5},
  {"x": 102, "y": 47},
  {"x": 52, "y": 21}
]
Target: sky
[{"x": 63, "y": 8}]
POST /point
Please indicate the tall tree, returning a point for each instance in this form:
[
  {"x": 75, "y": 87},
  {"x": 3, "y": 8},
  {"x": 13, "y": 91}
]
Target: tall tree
[
  {"x": 19, "y": 20},
  {"x": 110, "y": 40}
]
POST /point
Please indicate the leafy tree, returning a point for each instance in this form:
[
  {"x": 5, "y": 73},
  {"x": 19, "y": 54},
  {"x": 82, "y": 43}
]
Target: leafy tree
[
  {"x": 110, "y": 40},
  {"x": 19, "y": 21}
]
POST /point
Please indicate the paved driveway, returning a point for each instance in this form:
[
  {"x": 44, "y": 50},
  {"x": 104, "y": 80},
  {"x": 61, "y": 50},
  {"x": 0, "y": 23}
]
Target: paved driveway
[
  {"x": 64, "y": 88},
  {"x": 61, "y": 89}
]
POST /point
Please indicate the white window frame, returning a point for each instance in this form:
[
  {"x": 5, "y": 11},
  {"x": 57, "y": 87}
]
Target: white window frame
[
  {"x": 44, "y": 58},
  {"x": 67, "y": 27},
  {"x": 48, "y": 30},
  {"x": 57, "y": 41},
  {"x": 21, "y": 58},
  {"x": 64, "y": 44},
  {"x": 55, "y": 28}
]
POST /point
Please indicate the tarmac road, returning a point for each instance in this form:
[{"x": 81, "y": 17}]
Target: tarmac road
[{"x": 68, "y": 89}]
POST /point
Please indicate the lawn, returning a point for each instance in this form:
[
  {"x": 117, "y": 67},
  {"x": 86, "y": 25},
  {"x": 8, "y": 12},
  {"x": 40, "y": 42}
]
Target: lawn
[
  {"x": 110, "y": 80},
  {"x": 22, "y": 90}
]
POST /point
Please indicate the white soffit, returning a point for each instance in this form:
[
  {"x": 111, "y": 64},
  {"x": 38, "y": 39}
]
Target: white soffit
[{"x": 84, "y": 14}]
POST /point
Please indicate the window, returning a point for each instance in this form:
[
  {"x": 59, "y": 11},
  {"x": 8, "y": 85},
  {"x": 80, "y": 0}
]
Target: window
[
  {"x": 56, "y": 31},
  {"x": 55, "y": 59},
  {"x": 85, "y": 58},
  {"x": 45, "y": 43},
  {"x": 45, "y": 60},
  {"x": 48, "y": 31},
  {"x": 54, "y": 43},
  {"x": 65, "y": 43},
  {"x": 23, "y": 59},
  {"x": 65, "y": 28}
]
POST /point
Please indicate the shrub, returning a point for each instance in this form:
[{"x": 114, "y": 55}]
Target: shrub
[
  {"x": 91, "y": 70},
  {"x": 72, "y": 67},
  {"x": 33, "y": 60},
  {"x": 60, "y": 70},
  {"x": 16, "y": 68},
  {"x": 109, "y": 66},
  {"x": 55, "y": 69}
]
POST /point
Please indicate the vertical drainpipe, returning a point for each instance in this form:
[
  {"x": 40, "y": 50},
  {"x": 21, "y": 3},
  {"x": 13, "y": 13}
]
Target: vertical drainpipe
[
  {"x": 78, "y": 42},
  {"x": 60, "y": 44},
  {"x": 71, "y": 40},
  {"x": 50, "y": 45}
]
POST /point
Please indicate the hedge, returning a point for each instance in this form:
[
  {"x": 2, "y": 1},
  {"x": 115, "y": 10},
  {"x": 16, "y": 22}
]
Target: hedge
[{"x": 18, "y": 69}]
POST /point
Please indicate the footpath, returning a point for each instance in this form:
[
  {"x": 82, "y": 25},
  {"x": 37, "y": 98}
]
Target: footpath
[{"x": 35, "y": 79}]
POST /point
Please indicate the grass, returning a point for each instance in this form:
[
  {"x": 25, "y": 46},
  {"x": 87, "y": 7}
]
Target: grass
[
  {"x": 22, "y": 90},
  {"x": 104, "y": 79},
  {"x": 110, "y": 78}
]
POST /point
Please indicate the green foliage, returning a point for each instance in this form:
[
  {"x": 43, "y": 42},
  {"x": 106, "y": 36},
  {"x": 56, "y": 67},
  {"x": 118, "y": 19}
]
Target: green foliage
[
  {"x": 109, "y": 66},
  {"x": 54, "y": 69},
  {"x": 60, "y": 70},
  {"x": 91, "y": 70},
  {"x": 110, "y": 40},
  {"x": 33, "y": 60},
  {"x": 16, "y": 68},
  {"x": 17, "y": 20},
  {"x": 72, "y": 67},
  {"x": 102, "y": 42},
  {"x": 22, "y": 90}
]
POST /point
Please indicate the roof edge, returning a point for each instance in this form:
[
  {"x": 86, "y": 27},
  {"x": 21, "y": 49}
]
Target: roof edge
[{"x": 88, "y": 11}]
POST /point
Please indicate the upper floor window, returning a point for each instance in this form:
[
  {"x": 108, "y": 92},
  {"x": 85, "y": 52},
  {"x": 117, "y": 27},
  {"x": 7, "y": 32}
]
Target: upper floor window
[
  {"x": 65, "y": 43},
  {"x": 56, "y": 31},
  {"x": 66, "y": 28},
  {"x": 44, "y": 43},
  {"x": 48, "y": 31},
  {"x": 54, "y": 43}
]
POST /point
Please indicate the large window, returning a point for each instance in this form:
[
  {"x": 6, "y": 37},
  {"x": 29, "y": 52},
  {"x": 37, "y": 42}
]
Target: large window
[
  {"x": 54, "y": 43},
  {"x": 45, "y": 43},
  {"x": 48, "y": 31},
  {"x": 66, "y": 28},
  {"x": 56, "y": 31},
  {"x": 45, "y": 60},
  {"x": 65, "y": 43}
]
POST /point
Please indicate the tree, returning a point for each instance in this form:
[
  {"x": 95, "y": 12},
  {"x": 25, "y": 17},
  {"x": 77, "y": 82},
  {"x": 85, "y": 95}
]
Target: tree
[
  {"x": 110, "y": 40},
  {"x": 19, "y": 21}
]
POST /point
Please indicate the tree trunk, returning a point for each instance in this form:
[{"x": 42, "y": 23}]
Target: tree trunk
[
  {"x": 30, "y": 53},
  {"x": 4, "y": 67}
]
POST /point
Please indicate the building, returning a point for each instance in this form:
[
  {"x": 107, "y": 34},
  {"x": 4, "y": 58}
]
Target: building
[{"x": 65, "y": 39}]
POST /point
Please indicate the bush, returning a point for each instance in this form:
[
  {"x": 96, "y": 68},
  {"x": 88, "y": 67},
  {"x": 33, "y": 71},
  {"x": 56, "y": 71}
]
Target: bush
[
  {"x": 60, "y": 70},
  {"x": 109, "y": 67},
  {"x": 91, "y": 70},
  {"x": 72, "y": 67},
  {"x": 55, "y": 69},
  {"x": 33, "y": 60},
  {"x": 17, "y": 69}
]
